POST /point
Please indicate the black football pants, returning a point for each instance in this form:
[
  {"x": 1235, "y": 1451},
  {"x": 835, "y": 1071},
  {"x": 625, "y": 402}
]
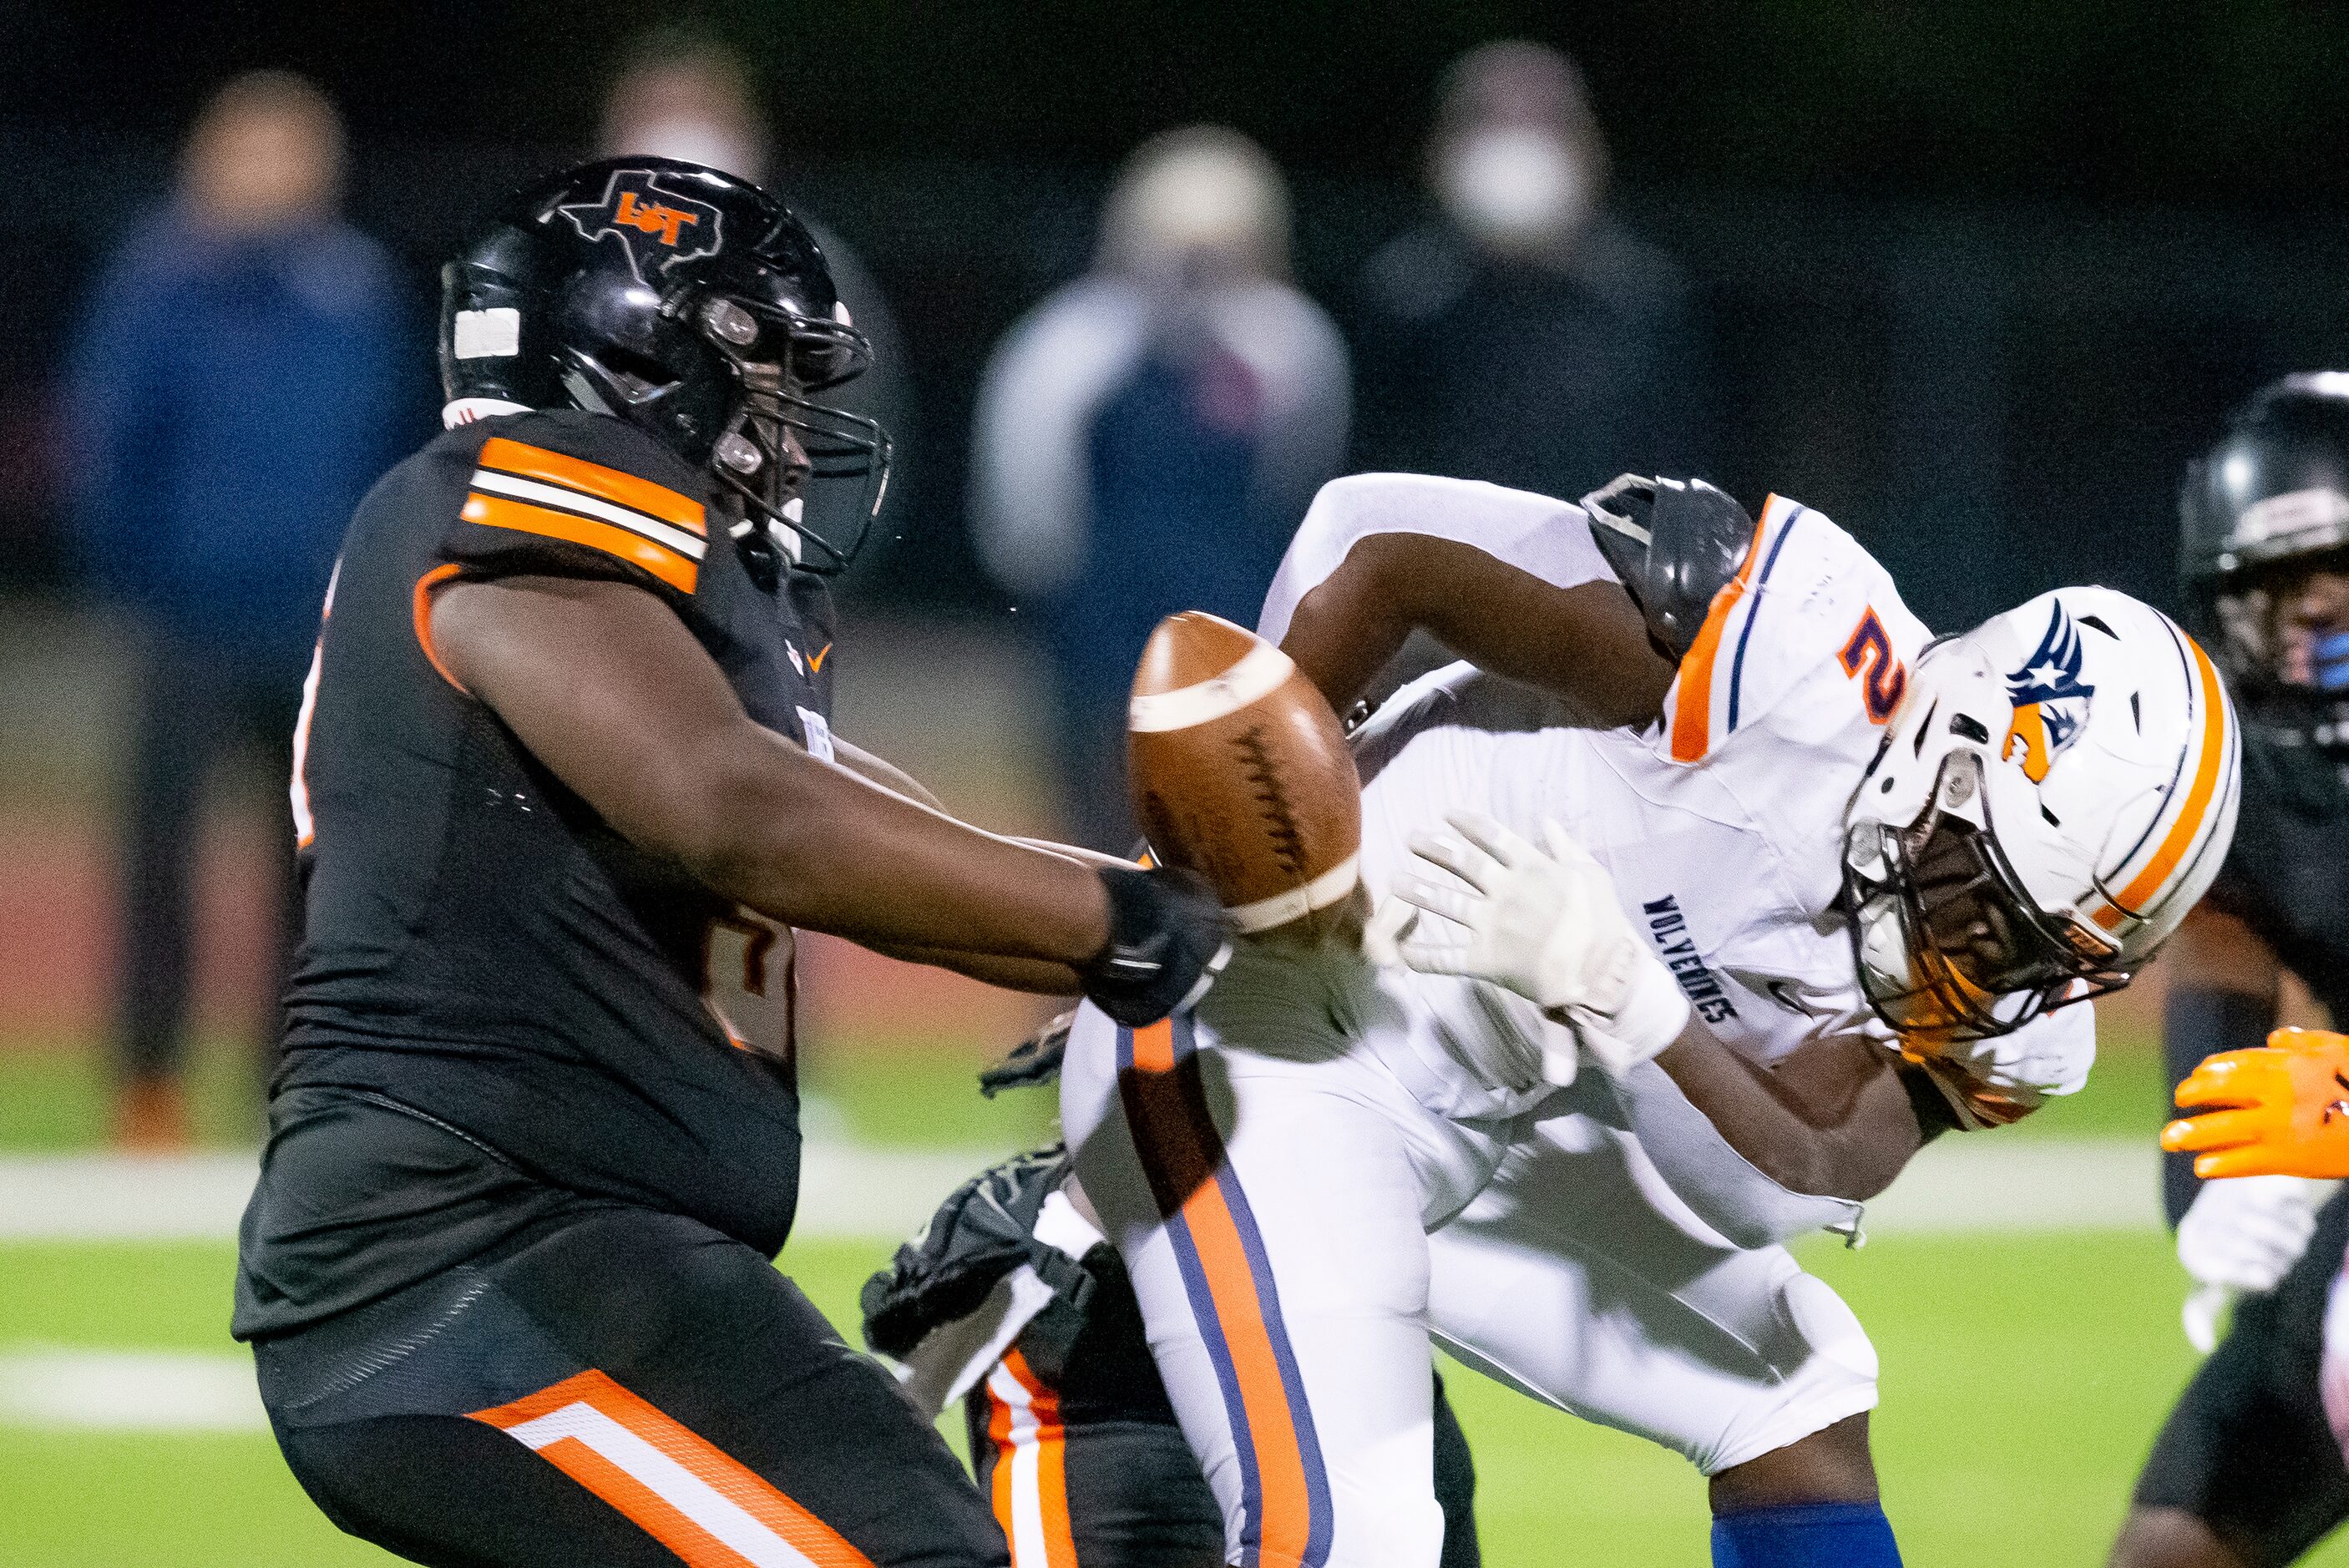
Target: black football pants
[
  {"x": 196, "y": 707},
  {"x": 2247, "y": 1450},
  {"x": 621, "y": 1389}
]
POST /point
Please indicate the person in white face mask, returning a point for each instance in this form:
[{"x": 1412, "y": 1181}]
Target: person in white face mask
[
  {"x": 679, "y": 95},
  {"x": 1523, "y": 335}
]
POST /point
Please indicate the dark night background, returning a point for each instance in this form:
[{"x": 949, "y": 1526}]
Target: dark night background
[{"x": 1981, "y": 276}]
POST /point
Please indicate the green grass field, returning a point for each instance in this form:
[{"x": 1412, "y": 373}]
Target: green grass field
[
  {"x": 875, "y": 1090},
  {"x": 2022, "y": 1379},
  {"x": 2023, "y": 1375}
]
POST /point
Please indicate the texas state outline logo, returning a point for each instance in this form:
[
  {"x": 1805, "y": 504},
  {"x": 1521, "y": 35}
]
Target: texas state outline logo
[
  {"x": 2051, "y": 700},
  {"x": 657, "y": 228}
]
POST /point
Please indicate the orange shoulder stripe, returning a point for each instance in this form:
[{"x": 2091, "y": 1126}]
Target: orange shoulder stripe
[
  {"x": 531, "y": 462},
  {"x": 1692, "y": 714},
  {"x": 2143, "y": 887},
  {"x": 499, "y": 512}
]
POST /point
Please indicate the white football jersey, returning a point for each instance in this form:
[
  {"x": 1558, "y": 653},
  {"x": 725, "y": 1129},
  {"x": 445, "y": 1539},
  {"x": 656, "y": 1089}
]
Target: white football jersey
[{"x": 1722, "y": 824}]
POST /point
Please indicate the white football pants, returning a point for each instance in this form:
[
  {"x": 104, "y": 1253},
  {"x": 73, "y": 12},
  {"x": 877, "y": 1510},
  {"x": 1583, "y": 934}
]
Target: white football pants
[{"x": 1299, "y": 1230}]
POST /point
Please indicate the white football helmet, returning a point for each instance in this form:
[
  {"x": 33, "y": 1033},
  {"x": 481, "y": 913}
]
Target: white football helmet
[{"x": 2055, "y": 791}]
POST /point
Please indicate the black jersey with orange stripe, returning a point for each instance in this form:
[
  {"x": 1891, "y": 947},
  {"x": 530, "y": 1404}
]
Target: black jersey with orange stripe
[{"x": 478, "y": 945}]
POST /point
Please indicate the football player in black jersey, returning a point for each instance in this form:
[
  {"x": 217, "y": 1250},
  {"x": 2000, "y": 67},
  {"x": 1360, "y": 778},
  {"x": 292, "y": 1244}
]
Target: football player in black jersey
[
  {"x": 565, "y": 784},
  {"x": 2246, "y": 1473}
]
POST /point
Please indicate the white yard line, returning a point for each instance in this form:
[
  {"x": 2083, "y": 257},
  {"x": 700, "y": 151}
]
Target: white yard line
[
  {"x": 1959, "y": 1184},
  {"x": 846, "y": 1191},
  {"x": 1980, "y": 1183},
  {"x": 56, "y": 1389}
]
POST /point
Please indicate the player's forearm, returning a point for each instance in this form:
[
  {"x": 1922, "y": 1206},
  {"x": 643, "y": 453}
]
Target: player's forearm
[
  {"x": 1831, "y": 1119},
  {"x": 886, "y": 774},
  {"x": 1344, "y": 631},
  {"x": 1034, "y": 974},
  {"x": 606, "y": 687},
  {"x": 1586, "y": 644},
  {"x": 809, "y": 843}
]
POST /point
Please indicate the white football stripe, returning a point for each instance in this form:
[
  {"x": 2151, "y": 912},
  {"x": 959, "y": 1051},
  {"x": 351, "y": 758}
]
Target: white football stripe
[
  {"x": 130, "y": 1390},
  {"x": 1028, "y": 1544},
  {"x": 1258, "y": 673},
  {"x": 727, "y": 1520},
  {"x": 1298, "y": 902},
  {"x": 531, "y": 491}
]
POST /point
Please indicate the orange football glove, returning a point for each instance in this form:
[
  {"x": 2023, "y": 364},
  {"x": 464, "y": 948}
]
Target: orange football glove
[{"x": 2279, "y": 1110}]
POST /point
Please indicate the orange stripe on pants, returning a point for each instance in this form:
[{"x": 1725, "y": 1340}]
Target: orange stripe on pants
[
  {"x": 1183, "y": 1156},
  {"x": 1287, "y": 1506},
  {"x": 686, "y": 1492},
  {"x": 1030, "y": 1482}
]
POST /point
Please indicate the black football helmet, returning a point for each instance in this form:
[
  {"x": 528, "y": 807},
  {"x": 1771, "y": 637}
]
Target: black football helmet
[
  {"x": 2273, "y": 492},
  {"x": 694, "y": 307}
]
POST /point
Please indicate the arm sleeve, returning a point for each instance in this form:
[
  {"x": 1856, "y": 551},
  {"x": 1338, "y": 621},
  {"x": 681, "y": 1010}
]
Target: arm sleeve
[
  {"x": 572, "y": 495},
  {"x": 1548, "y": 538}
]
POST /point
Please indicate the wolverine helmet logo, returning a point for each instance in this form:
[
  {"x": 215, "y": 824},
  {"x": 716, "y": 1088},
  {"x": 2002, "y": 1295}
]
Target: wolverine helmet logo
[
  {"x": 657, "y": 228},
  {"x": 2051, "y": 700}
]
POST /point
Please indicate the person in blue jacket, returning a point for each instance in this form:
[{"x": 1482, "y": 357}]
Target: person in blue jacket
[{"x": 235, "y": 387}]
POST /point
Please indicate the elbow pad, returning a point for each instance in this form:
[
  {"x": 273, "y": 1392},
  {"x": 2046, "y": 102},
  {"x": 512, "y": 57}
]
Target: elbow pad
[{"x": 1724, "y": 1189}]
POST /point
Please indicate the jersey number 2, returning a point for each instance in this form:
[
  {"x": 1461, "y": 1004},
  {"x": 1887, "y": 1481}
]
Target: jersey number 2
[
  {"x": 747, "y": 982},
  {"x": 1868, "y": 649}
]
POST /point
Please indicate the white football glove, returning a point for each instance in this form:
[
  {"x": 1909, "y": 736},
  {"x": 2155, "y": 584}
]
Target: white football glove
[
  {"x": 2241, "y": 1238},
  {"x": 1542, "y": 920}
]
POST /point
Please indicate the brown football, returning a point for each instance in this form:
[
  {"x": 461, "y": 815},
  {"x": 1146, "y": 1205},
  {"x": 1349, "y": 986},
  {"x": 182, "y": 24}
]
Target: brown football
[{"x": 1240, "y": 771}]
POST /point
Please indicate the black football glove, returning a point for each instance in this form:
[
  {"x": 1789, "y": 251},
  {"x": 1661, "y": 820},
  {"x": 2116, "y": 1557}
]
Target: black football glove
[
  {"x": 1033, "y": 1062},
  {"x": 1167, "y": 939}
]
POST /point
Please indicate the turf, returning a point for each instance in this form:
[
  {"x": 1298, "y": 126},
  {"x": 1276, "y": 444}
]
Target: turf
[
  {"x": 2024, "y": 1378},
  {"x": 876, "y": 1089}
]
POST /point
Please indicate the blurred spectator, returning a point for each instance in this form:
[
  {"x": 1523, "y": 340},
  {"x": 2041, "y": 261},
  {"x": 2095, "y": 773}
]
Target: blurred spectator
[
  {"x": 680, "y": 95},
  {"x": 1148, "y": 437},
  {"x": 234, "y": 393},
  {"x": 1526, "y": 337}
]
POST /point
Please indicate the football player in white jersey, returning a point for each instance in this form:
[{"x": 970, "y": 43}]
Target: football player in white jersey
[{"x": 1676, "y": 991}]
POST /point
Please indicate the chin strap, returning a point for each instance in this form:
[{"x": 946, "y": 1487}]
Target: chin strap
[{"x": 466, "y": 410}]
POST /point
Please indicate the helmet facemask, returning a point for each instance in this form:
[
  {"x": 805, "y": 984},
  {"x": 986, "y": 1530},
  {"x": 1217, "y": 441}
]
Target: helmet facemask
[
  {"x": 1949, "y": 944},
  {"x": 776, "y": 438}
]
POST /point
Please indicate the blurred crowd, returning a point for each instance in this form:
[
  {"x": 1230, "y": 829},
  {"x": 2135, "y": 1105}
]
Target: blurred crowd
[{"x": 1144, "y": 438}]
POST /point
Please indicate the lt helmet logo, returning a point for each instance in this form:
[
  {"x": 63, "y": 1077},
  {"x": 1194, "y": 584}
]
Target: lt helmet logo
[
  {"x": 2051, "y": 700},
  {"x": 657, "y": 228}
]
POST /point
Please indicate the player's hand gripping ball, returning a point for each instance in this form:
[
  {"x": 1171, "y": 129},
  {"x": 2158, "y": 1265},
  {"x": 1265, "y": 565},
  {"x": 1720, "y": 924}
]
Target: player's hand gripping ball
[
  {"x": 1240, "y": 772},
  {"x": 2281, "y": 1110}
]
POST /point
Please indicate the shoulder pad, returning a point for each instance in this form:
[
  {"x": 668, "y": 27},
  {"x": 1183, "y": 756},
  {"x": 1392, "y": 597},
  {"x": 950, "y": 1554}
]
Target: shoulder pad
[{"x": 1674, "y": 543}]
